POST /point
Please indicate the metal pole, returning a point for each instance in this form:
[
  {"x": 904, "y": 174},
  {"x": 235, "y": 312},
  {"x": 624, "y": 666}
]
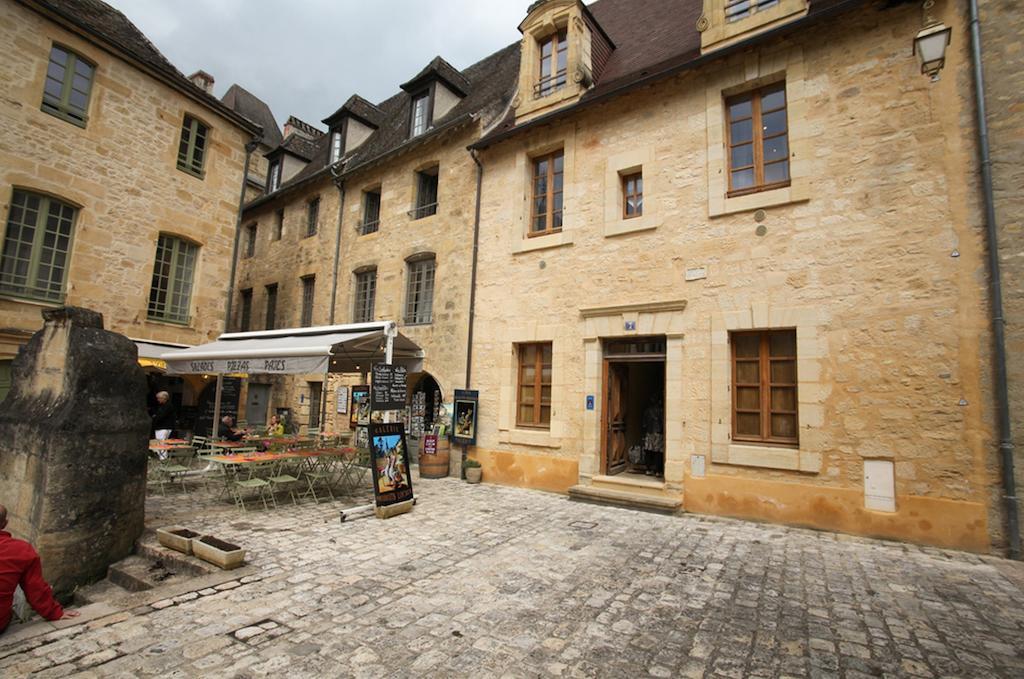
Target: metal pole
[
  {"x": 216, "y": 406},
  {"x": 338, "y": 182},
  {"x": 998, "y": 322},
  {"x": 472, "y": 276}
]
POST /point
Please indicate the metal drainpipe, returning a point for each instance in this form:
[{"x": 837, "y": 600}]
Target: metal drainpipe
[
  {"x": 472, "y": 284},
  {"x": 249, "y": 148},
  {"x": 340, "y": 184},
  {"x": 998, "y": 322}
]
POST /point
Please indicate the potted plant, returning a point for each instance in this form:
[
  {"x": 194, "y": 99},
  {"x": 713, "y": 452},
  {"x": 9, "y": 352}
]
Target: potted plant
[
  {"x": 218, "y": 552},
  {"x": 473, "y": 471},
  {"x": 176, "y": 538}
]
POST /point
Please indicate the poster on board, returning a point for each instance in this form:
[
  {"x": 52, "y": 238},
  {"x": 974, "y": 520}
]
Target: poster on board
[
  {"x": 342, "y": 400},
  {"x": 390, "y": 464},
  {"x": 359, "y": 413},
  {"x": 465, "y": 417}
]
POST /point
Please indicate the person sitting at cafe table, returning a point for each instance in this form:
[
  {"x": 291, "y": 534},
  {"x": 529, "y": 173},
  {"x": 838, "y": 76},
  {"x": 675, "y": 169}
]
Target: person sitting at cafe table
[
  {"x": 227, "y": 430},
  {"x": 276, "y": 427}
]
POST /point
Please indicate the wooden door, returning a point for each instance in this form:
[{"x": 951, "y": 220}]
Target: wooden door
[{"x": 615, "y": 418}]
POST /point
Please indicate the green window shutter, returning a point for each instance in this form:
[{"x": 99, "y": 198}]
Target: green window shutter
[
  {"x": 170, "y": 296},
  {"x": 68, "y": 86},
  {"x": 192, "y": 147},
  {"x": 6, "y": 379},
  {"x": 37, "y": 244}
]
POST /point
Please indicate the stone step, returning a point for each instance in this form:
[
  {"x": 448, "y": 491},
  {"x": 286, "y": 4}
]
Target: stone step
[
  {"x": 149, "y": 547},
  {"x": 138, "y": 573},
  {"x": 626, "y": 498},
  {"x": 630, "y": 483}
]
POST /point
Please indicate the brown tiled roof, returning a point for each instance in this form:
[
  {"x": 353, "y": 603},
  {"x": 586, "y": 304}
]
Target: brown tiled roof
[
  {"x": 491, "y": 84},
  {"x": 112, "y": 27},
  {"x": 358, "y": 108},
  {"x": 442, "y": 70},
  {"x": 247, "y": 104},
  {"x": 297, "y": 145}
]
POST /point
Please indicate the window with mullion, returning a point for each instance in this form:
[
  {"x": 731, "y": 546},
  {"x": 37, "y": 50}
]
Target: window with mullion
[
  {"x": 554, "y": 57},
  {"x": 68, "y": 85},
  {"x": 366, "y": 292},
  {"x": 170, "y": 294},
  {"x": 251, "y": 232},
  {"x": 548, "y": 185},
  {"x": 37, "y": 244},
  {"x": 271, "y": 317},
  {"x": 371, "y": 212},
  {"x": 192, "y": 147},
  {"x": 765, "y": 387},
  {"x": 246, "y": 320},
  {"x": 419, "y": 295},
  {"x": 533, "y": 398},
  {"x": 741, "y": 9},
  {"x": 308, "y": 289},
  {"x": 758, "y": 140},
  {"x": 420, "y": 115},
  {"x": 426, "y": 193},
  {"x": 632, "y": 195},
  {"x": 312, "y": 217}
]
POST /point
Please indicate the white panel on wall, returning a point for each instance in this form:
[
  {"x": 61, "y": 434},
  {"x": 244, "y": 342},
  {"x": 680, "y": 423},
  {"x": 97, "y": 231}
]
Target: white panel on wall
[{"x": 879, "y": 485}]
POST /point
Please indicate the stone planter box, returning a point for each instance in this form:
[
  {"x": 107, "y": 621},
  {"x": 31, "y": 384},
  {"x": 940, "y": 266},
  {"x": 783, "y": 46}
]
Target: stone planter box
[
  {"x": 474, "y": 474},
  {"x": 176, "y": 538},
  {"x": 218, "y": 552}
]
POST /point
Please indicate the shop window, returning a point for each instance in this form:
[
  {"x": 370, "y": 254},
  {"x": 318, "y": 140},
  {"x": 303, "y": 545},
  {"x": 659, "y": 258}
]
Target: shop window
[
  {"x": 68, "y": 84},
  {"x": 546, "y": 205},
  {"x": 312, "y": 217},
  {"x": 419, "y": 294},
  {"x": 554, "y": 59},
  {"x": 271, "y": 319},
  {"x": 192, "y": 147},
  {"x": 250, "y": 240},
  {"x": 366, "y": 292},
  {"x": 426, "y": 193},
  {"x": 371, "y": 212},
  {"x": 308, "y": 290},
  {"x": 764, "y": 387},
  {"x": 279, "y": 224},
  {"x": 170, "y": 296},
  {"x": 37, "y": 245},
  {"x": 758, "y": 140},
  {"x": 632, "y": 195},
  {"x": 246, "y": 312},
  {"x": 533, "y": 404}
]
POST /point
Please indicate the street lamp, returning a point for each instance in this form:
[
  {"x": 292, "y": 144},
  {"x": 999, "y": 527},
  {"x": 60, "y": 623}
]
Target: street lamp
[{"x": 930, "y": 44}]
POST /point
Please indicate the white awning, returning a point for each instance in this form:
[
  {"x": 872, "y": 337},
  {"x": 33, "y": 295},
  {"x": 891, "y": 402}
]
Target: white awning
[
  {"x": 337, "y": 348},
  {"x": 151, "y": 352}
]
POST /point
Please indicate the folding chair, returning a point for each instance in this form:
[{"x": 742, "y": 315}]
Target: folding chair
[
  {"x": 316, "y": 473},
  {"x": 255, "y": 483},
  {"x": 285, "y": 477},
  {"x": 172, "y": 467}
]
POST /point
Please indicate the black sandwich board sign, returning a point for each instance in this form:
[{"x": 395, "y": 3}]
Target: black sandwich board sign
[
  {"x": 389, "y": 460},
  {"x": 388, "y": 389}
]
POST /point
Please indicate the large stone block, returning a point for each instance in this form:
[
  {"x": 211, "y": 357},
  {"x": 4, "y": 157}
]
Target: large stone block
[{"x": 73, "y": 439}]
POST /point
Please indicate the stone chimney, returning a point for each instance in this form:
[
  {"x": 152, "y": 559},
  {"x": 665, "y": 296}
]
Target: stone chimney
[
  {"x": 301, "y": 128},
  {"x": 203, "y": 81}
]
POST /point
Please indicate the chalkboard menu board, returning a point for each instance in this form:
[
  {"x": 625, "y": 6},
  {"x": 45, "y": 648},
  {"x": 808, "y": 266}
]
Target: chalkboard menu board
[
  {"x": 388, "y": 389},
  {"x": 208, "y": 399}
]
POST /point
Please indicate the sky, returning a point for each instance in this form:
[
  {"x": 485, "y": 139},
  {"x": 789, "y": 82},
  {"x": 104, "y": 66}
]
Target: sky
[{"x": 306, "y": 57}]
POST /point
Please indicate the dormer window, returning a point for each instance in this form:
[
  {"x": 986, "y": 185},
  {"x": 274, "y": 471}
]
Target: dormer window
[
  {"x": 554, "y": 62},
  {"x": 336, "y": 146},
  {"x": 740, "y": 9},
  {"x": 274, "y": 176},
  {"x": 420, "y": 118}
]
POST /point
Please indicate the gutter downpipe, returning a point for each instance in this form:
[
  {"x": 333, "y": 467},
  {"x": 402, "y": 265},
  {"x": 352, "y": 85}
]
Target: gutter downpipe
[
  {"x": 996, "y": 291},
  {"x": 340, "y": 184},
  {"x": 472, "y": 282},
  {"x": 251, "y": 146}
]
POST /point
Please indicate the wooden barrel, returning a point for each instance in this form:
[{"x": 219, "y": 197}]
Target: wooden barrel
[{"x": 435, "y": 466}]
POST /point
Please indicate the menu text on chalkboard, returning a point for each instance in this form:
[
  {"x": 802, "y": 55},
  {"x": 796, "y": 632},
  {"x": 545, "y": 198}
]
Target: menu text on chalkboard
[{"x": 388, "y": 389}]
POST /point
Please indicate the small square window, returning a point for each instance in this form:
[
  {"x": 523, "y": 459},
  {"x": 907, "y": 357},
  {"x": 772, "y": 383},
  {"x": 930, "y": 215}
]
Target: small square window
[{"x": 632, "y": 195}]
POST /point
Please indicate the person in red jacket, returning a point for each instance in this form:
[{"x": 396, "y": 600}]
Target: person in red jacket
[{"x": 20, "y": 565}]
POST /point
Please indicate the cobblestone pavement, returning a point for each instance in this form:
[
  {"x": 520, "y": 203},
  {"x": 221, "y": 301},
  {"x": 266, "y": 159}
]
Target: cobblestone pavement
[{"x": 492, "y": 581}]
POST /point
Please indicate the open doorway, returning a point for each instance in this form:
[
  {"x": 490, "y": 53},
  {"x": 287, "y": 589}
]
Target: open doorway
[{"x": 634, "y": 407}]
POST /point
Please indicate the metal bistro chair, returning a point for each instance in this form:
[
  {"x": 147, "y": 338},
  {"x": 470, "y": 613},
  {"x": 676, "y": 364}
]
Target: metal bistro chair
[
  {"x": 256, "y": 484},
  {"x": 318, "y": 473},
  {"x": 172, "y": 467},
  {"x": 221, "y": 476},
  {"x": 285, "y": 477}
]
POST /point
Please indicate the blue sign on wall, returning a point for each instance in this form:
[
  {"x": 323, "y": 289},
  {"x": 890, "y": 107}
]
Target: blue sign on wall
[
  {"x": 630, "y": 325},
  {"x": 590, "y": 402}
]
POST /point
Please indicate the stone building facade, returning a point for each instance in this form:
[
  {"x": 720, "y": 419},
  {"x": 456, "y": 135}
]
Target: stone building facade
[{"x": 98, "y": 189}]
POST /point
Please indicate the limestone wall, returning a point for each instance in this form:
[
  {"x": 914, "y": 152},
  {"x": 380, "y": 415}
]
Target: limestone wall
[
  {"x": 120, "y": 170},
  {"x": 859, "y": 254}
]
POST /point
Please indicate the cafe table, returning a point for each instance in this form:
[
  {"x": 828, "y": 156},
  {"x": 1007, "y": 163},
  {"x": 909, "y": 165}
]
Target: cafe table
[{"x": 339, "y": 462}]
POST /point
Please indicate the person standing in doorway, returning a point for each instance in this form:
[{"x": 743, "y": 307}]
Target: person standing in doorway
[
  {"x": 20, "y": 567},
  {"x": 163, "y": 416}
]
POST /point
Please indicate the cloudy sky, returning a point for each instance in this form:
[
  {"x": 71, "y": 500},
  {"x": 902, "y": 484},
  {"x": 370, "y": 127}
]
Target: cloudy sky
[{"x": 306, "y": 57}]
